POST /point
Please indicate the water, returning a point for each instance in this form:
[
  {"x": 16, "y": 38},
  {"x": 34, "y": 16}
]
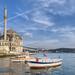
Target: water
[{"x": 67, "y": 68}]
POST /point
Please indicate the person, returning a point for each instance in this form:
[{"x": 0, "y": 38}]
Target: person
[
  {"x": 46, "y": 58},
  {"x": 37, "y": 59}
]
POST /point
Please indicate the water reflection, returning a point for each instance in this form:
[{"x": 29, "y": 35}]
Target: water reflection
[{"x": 47, "y": 71}]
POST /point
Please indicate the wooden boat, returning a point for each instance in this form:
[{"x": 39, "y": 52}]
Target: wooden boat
[
  {"x": 40, "y": 64},
  {"x": 23, "y": 58}
]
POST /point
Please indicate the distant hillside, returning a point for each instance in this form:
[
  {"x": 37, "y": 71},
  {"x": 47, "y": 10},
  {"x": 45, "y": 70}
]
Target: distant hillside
[
  {"x": 62, "y": 50},
  {"x": 58, "y": 50}
]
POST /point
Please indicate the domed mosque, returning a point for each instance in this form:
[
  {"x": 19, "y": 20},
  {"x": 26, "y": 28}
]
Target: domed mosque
[{"x": 10, "y": 41}]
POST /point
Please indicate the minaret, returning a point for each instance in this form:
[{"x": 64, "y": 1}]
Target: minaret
[{"x": 5, "y": 23}]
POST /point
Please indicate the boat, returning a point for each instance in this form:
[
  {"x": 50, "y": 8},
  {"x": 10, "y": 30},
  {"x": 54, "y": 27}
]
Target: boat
[
  {"x": 38, "y": 63},
  {"x": 43, "y": 63},
  {"x": 23, "y": 58}
]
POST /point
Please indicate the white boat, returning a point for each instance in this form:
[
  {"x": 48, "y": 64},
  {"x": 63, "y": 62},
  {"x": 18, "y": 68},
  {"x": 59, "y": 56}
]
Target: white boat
[
  {"x": 23, "y": 58},
  {"x": 44, "y": 64}
]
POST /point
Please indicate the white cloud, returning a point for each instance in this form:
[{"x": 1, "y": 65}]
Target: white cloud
[
  {"x": 32, "y": 28},
  {"x": 69, "y": 35},
  {"x": 28, "y": 34},
  {"x": 44, "y": 22},
  {"x": 48, "y": 2},
  {"x": 51, "y": 43},
  {"x": 63, "y": 29},
  {"x": 61, "y": 7},
  {"x": 41, "y": 18},
  {"x": 66, "y": 38},
  {"x": 23, "y": 15}
]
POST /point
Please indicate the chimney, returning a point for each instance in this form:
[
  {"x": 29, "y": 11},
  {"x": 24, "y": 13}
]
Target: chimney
[{"x": 5, "y": 23}]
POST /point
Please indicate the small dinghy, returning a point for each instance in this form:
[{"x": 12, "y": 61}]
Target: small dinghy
[{"x": 42, "y": 63}]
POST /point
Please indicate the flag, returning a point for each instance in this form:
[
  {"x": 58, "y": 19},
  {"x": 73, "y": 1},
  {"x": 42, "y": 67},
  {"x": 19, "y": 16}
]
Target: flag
[{"x": 45, "y": 55}]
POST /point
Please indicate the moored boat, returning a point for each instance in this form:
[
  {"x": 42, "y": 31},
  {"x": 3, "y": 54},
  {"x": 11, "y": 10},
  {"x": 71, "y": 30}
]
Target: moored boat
[
  {"x": 44, "y": 64},
  {"x": 23, "y": 58}
]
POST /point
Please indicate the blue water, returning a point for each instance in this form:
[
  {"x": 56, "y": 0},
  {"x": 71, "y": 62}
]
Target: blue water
[{"x": 67, "y": 68}]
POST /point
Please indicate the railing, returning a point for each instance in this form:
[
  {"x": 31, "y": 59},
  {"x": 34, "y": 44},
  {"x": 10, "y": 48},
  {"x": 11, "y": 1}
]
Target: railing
[{"x": 7, "y": 43}]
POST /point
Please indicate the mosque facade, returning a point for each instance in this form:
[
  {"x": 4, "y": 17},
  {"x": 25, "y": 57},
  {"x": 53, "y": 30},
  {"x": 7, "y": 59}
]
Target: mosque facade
[{"x": 10, "y": 41}]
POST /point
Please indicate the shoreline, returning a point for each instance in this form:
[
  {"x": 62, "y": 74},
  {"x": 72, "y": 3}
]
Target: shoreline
[{"x": 6, "y": 55}]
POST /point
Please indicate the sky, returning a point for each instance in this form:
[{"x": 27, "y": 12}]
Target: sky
[{"x": 41, "y": 23}]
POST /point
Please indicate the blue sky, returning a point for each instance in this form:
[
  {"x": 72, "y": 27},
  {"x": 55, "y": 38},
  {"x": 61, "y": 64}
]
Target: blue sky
[{"x": 41, "y": 23}]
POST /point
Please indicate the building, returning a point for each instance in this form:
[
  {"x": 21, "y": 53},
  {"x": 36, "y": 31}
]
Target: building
[{"x": 10, "y": 41}]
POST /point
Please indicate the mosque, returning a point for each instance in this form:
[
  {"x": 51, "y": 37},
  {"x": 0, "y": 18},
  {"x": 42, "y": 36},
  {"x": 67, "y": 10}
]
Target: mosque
[{"x": 10, "y": 41}]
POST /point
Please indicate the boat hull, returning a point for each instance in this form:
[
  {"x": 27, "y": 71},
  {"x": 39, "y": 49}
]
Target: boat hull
[{"x": 43, "y": 65}]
